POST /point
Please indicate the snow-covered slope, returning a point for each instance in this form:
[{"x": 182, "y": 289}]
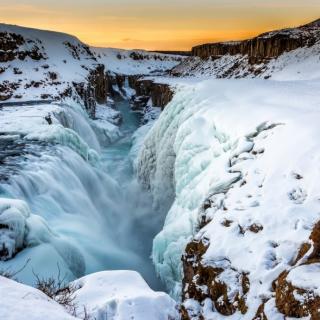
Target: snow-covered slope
[
  {"x": 20, "y": 302},
  {"x": 46, "y": 65},
  {"x": 38, "y": 64},
  {"x": 240, "y": 158}
]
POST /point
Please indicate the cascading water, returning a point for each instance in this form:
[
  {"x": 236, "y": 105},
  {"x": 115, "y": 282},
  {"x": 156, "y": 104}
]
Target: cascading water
[{"x": 86, "y": 216}]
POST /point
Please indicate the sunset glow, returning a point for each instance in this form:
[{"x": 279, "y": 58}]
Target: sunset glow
[{"x": 171, "y": 25}]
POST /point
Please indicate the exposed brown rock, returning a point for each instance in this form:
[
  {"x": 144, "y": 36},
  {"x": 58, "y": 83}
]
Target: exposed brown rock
[
  {"x": 7, "y": 89},
  {"x": 305, "y": 247},
  {"x": 286, "y": 293},
  {"x": 315, "y": 238},
  {"x": 255, "y": 227},
  {"x": 201, "y": 282},
  {"x": 78, "y": 49},
  {"x": 227, "y": 223},
  {"x": 287, "y": 303},
  {"x": 260, "y": 315}
]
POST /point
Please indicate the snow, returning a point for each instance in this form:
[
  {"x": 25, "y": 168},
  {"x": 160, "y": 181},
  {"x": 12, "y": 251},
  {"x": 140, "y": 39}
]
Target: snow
[
  {"x": 59, "y": 60},
  {"x": 19, "y": 302},
  {"x": 29, "y": 121},
  {"x": 242, "y": 150},
  {"x": 122, "y": 295},
  {"x": 112, "y": 295}
]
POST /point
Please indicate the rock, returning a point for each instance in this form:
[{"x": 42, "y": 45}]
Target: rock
[
  {"x": 160, "y": 93},
  {"x": 263, "y": 47},
  {"x": 94, "y": 90},
  {"x": 12, "y": 46},
  {"x": 202, "y": 282},
  {"x": 296, "y": 302}
]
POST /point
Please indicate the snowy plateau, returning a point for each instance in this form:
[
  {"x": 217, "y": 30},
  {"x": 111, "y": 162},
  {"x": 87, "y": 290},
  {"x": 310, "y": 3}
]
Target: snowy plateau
[{"x": 142, "y": 185}]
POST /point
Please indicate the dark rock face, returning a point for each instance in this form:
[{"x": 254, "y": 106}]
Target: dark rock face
[
  {"x": 99, "y": 81},
  {"x": 12, "y": 46},
  {"x": 94, "y": 90},
  {"x": 7, "y": 89},
  {"x": 78, "y": 50},
  {"x": 159, "y": 93},
  {"x": 264, "y": 47}
]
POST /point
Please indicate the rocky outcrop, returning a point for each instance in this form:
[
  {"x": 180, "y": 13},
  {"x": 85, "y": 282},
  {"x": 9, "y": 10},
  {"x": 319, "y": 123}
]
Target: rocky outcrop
[
  {"x": 265, "y": 46},
  {"x": 203, "y": 283},
  {"x": 14, "y": 46},
  {"x": 159, "y": 93},
  {"x": 291, "y": 299},
  {"x": 95, "y": 90}
]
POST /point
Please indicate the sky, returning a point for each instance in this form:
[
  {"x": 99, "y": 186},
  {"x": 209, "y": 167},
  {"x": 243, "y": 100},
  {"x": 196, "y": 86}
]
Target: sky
[{"x": 159, "y": 24}]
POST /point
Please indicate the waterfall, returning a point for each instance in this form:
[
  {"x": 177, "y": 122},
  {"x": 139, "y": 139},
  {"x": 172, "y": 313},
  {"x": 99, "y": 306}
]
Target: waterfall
[{"x": 86, "y": 212}]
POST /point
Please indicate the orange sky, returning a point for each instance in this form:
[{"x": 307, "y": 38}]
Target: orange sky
[{"x": 171, "y": 25}]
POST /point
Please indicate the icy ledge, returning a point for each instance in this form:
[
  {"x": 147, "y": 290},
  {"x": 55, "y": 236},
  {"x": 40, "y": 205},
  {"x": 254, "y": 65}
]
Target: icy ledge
[{"x": 112, "y": 295}]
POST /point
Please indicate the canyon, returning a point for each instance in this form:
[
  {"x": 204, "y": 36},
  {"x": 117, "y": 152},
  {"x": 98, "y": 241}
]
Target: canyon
[{"x": 207, "y": 161}]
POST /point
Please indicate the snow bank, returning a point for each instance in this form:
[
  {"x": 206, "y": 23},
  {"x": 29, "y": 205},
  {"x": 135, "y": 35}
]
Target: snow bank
[
  {"x": 112, "y": 295},
  {"x": 251, "y": 148},
  {"x": 19, "y": 301},
  {"x": 122, "y": 295}
]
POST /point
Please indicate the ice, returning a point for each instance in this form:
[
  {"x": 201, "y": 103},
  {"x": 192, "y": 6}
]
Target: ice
[{"x": 13, "y": 216}]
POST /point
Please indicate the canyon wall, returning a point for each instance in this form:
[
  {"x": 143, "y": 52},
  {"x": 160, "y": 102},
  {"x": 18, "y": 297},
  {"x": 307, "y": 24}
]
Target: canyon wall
[
  {"x": 159, "y": 93},
  {"x": 263, "y": 47}
]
